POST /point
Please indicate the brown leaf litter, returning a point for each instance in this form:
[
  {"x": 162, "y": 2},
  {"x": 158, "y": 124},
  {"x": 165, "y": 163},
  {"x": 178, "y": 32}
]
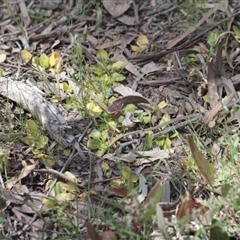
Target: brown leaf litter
[{"x": 157, "y": 74}]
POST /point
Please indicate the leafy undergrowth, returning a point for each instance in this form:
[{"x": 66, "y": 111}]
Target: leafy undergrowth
[{"x": 155, "y": 112}]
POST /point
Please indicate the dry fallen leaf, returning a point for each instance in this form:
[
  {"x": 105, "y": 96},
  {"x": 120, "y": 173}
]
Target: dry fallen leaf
[
  {"x": 121, "y": 191},
  {"x": 191, "y": 209},
  {"x": 117, "y": 7},
  {"x": 130, "y": 21},
  {"x": 186, "y": 208},
  {"x": 108, "y": 235},
  {"x": 2, "y": 57},
  {"x": 91, "y": 232},
  {"x": 26, "y": 171}
]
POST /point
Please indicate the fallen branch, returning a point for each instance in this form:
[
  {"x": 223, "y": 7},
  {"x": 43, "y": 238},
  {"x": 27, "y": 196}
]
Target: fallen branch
[{"x": 49, "y": 116}]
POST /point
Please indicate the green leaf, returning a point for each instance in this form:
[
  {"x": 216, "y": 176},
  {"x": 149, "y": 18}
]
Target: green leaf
[
  {"x": 2, "y": 220},
  {"x": 44, "y": 61},
  {"x": 142, "y": 40},
  {"x": 174, "y": 134},
  {"x": 217, "y": 232},
  {"x": 29, "y": 140},
  {"x": 48, "y": 184},
  {"x": 102, "y": 54},
  {"x": 26, "y": 55},
  {"x": 69, "y": 187},
  {"x": 126, "y": 173},
  {"x": 225, "y": 188},
  {"x": 146, "y": 119},
  {"x": 98, "y": 70},
  {"x": 237, "y": 33},
  {"x": 128, "y": 176},
  {"x": 1, "y": 72},
  {"x": 206, "y": 98},
  {"x": 48, "y": 160},
  {"x": 148, "y": 141},
  {"x": 119, "y": 65},
  {"x": 65, "y": 196},
  {"x": 130, "y": 108},
  {"x": 106, "y": 169},
  {"x": 95, "y": 134},
  {"x": 192, "y": 58},
  {"x": 153, "y": 197},
  {"x": 57, "y": 189},
  {"x": 104, "y": 135},
  {"x": 116, "y": 77},
  {"x": 2, "y": 203},
  {"x": 112, "y": 124},
  {"x": 107, "y": 79},
  {"x": 212, "y": 38},
  {"x": 65, "y": 87},
  {"x": 167, "y": 143},
  {"x": 41, "y": 142},
  {"x": 32, "y": 128},
  {"x": 50, "y": 203},
  {"x": 162, "y": 104},
  {"x": 3, "y": 161},
  {"x": 160, "y": 141},
  {"x": 94, "y": 109},
  {"x": 93, "y": 144},
  {"x": 11, "y": 180},
  {"x": 102, "y": 148},
  {"x": 165, "y": 118},
  {"x": 101, "y": 152},
  {"x": 163, "y": 142}
]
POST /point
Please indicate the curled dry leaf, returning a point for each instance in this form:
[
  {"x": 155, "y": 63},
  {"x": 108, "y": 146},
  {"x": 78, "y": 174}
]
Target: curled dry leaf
[
  {"x": 191, "y": 209},
  {"x": 186, "y": 208},
  {"x": 26, "y": 171},
  {"x": 121, "y": 192}
]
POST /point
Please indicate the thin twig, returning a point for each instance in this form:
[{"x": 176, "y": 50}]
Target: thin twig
[
  {"x": 192, "y": 117},
  {"x": 48, "y": 194}
]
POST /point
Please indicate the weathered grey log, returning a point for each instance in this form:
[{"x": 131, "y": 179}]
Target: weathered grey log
[{"x": 49, "y": 116}]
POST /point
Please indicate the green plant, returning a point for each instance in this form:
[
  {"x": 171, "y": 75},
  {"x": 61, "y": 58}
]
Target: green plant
[
  {"x": 37, "y": 142},
  {"x": 194, "y": 13}
]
